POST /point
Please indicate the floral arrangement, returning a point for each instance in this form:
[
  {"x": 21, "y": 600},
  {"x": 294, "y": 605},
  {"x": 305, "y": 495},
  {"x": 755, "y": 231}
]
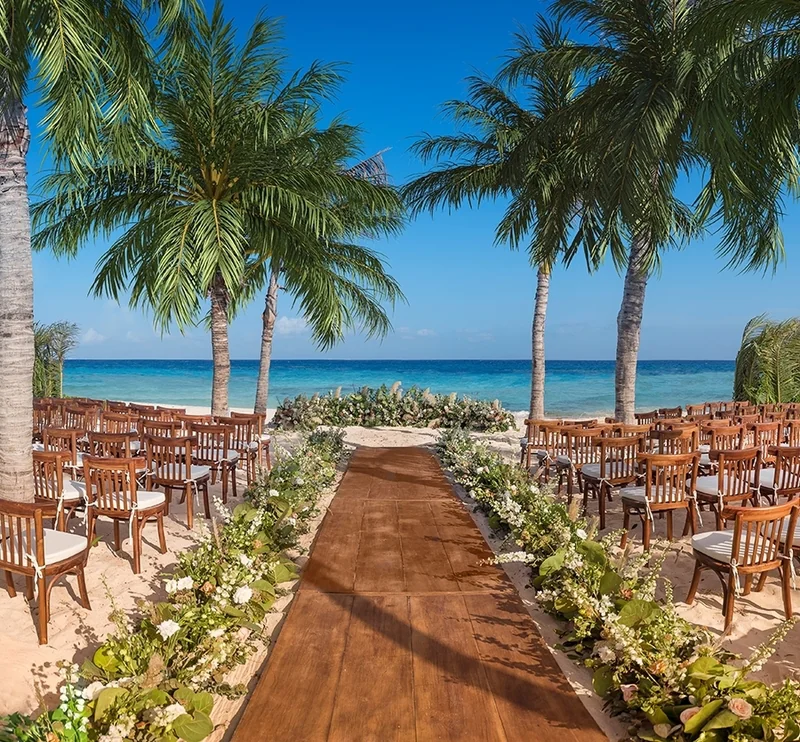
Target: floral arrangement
[
  {"x": 391, "y": 406},
  {"x": 665, "y": 673},
  {"x": 156, "y": 676}
]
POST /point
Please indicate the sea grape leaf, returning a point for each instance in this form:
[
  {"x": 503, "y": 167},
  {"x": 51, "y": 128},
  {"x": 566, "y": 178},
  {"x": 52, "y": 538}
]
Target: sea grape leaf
[
  {"x": 593, "y": 552},
  {"x": 610, "y": 582},
  {"x": 603, "y": 680},
  {"x": 203, "y": 702},
  {"x": 552, "y": 563},
  {"x": 105, "y": 700},
  {"x": 104, "y": 660},
  {"x": 705, "y": 668},
  {"x": 637, "y": 611},
  {"x": 194, "y": 728},
  {"x": 702, "y": 717},
  {"x": 723, "y": 720}
]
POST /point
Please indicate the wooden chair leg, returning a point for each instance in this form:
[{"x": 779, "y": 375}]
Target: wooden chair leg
[
  {"x": 601, "y": 503},
  {"x": 232, "y": 471},
  {"x": 136, "y": 535},
  {"x": 82, "y": 589},
  {"x": 669, "y": 526},
  {"x": 646, "y": 531},
  {"x": 748, "y": 584},
  {"x": 223, "y": 475},
  {"x": 12, "y": 591},
  {"x": 269, "y": 459},
  {"x": 187, "y": 494},
  {"x": 626, "y": 525},
  {"x": 44, "y": 609},
  {"x": 29, "y": 589},
  {"x": 206, "y": 500},
  {"x": 698, "y": 571},
  {"x": 162, "y": 541},
  {"x": 761, "y": 582},
  {"x": 117, "y": 542},
  {"x": 690, "y": 526},
  {"x": 786, "y": 575},
  {"x": 730, "y": 600},
  {"x": 167, "y": 499}
]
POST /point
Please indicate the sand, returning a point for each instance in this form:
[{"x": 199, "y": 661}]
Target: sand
[{"x": 75, "y": 632}]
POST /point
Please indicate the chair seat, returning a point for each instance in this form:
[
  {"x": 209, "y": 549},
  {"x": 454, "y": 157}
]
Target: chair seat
[
  {"x": 705, "y": 460},
  {"x": 197, "y": 472},
  {"x": 766, "y": 478},
  {"x": 74, "y": 490},
  {"x": 633, "y": 494},
  {"x": 708, "y": 485},
  {"x": 205, "y": 454},
  {"x": 265, "y": 438},
  {"x": 717, "y": 545},
  {"x": 149, "y": 499},
  {"x": 591, "y": 471},
  {"x": 58, "y": 546},
  {"x": 563, "y": 461}
]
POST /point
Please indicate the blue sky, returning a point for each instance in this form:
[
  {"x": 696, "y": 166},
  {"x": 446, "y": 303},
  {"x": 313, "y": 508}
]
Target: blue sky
[{"x": 466, "y": 297}]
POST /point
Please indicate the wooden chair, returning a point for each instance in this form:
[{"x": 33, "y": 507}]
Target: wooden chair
[
  {"x": 113, "y": 493},
  {"x": 42, "y": 418},
  {"x": 50, "y": 488},
  {"x": 782, "y": 480},
  {"x": 214, "y": 449},
  {"x": 41, "y": 555},
  {"x": 722, "y": 437},
  {"x": 695, "y": 409},
  {"x": 674, "y": 442},
  {"x": 535, "y": 441},
  {"x": 792, "y": 438},
  {"x": 616, "y": 467},
  {"x": 712, "y": 408},
  {"x": 646, "y": 418},
  {"x": 670, "y": 412},
  {"x": 173, "y": 468},
  {"x": 112, "y": 406},
  {"x": 621, "y": 430},
  {"x": 761, "y": 541},
  {"x": 766, "y": 436},
  {"x": 160, "y": 428},
  {"x": 734, "y": 482},
  {"x": 669, "y": 485},
  {"x": 171, "y": 413},
  {"x": 112, "y": 445},
  {"x": 79, "y": 418},
  {"x": 577, "y": 447},
  {"x": 264, "y": 438},
  {"x": 65, "y": 440},
  {"x": 244, "y": 441},
  {"x": 119, "y": 422}
]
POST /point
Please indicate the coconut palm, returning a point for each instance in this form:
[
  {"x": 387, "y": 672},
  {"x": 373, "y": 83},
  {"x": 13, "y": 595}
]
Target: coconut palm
[
  {"x": 506, "y": 149},
  {"x": 200, "y": 209},
  {"x": 651, "y": 107},
  {"x": 768, "y": 362},
  {"x": 88, "y": 63},
  {"x": 52, "y": 344},
  {"x": 338, "y": 284}
]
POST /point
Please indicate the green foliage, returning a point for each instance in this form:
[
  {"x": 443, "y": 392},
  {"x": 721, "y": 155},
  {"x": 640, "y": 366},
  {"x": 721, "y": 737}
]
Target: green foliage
[
  {"x": 156, "y": 676},
  {"x": 648, "y": 662},
  {"x": 52, "y": 343},
  {"x": 768, "y": 362},
  {"x": 390, "y": 406}
]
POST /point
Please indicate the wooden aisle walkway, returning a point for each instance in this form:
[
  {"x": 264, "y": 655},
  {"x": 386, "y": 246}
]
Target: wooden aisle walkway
[{"x": 398, "y": 632}]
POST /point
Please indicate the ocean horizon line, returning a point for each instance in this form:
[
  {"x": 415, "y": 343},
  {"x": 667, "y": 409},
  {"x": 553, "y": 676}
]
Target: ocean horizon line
[{"x": 414, "y": 360}]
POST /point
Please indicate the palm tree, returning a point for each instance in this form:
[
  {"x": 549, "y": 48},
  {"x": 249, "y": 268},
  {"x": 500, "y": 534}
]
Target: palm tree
[
  {"x": 199, "y": 211},
  {"x": 651, "y": 110},
  {"x": 338, "y": 284},
  {"x": 768, "y": 362},
  {"x": 88, "y": 61},
  {"x": 506, "y": 149},
  {"x": 52, "y": 344}
]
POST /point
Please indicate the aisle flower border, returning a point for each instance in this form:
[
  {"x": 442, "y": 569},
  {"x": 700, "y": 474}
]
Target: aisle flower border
[
  {"x": 667, "y": 675},
  {"x": 156, "y": 676},
  {"x": 392, "y": 406}
]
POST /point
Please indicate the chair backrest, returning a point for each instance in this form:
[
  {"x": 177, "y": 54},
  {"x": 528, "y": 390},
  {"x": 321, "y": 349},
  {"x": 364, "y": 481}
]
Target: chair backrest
[
  {"x": 22, "y": 535},
  {"x": 712, "y": 408},
  {"x": 260, "y": 420},
  {"x": 62, "y": 439},
  {"x": 724, "y": 414},
  {"x": 580, "y": 444},
  {"x": 646, "y": 418},
  {"x": 793, "y": 433},
  {"x": 171, "y": 413},
  {"x": 746, "y": 420},
  {"x": 765, "y": 436},
  {"x": 213, "y": 442},
  {"x": 759, "y": 543},
  {"x": 78, "y": 418},
  {"x": 669, "y": 478},
  {"x": 160, "y": 428},
  {"x": 112, "y": 406},
  {"x": 619, "y": 457},
  {"x": 695, "y": 409},
  {"x": 536, "y": 431},
  {"x": 48, "y": 475},
  {"x": 119, "y": 422},
  {"x": 111, "y": 484},
  {"x": 187, "y": 421},
  {"x": 738, "y": 471},
  {"x": 244, "y": 430},
  {"x": 112, "y": 445},
  {"x": 43, "y": 413},
  {"x": 152, "y": 415},
  {"x": 786, "y": 480},
  {"x": 631, "y": 431},
  {"x": 670, "y": 412},
  {"x": 674, "y": 442},
  {"x": 587, "y": 423},
  {"x": 170, "y": 458},
  {"x": 727, "y": 437}
]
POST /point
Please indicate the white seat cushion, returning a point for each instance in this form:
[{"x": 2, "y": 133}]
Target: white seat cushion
[
  {"x": 633, "y": 494},
  {"x": 147, "y": 499},
  {"x": 766, "y": 478},
  {"x": 265, "y": 438},
  {"x": 38, "y": 446},
  {"x": 591, "y": 470},
  {"x": 74, "y": 490},
  {"x": 523, "y": 442},
  {"x": 704, "y": 448},
  {"x": 209, "y": 455},
  {"x": 563, "y": 461},
  {"x": 705, "y": 459},
  {"x": 708, "y": 485},
  {"x": 198, "y": 472},
  {"x": 717, "y": 545},
  {"x": 59, "y": 545}
]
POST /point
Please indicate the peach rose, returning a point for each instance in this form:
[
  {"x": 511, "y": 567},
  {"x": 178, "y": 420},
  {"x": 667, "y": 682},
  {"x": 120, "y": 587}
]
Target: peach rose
[
  {"x": 628, "y": 691},
  {"x": 687, "y": 714},
  {"x": 740, "y": 707}
]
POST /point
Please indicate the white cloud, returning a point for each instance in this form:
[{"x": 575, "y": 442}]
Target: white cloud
[
  {"x": 92, "y": 337},
  {"x": 290, "y": 326},
  {"x": 426, "y": 333},
  {"x": 133, "y": 337}
]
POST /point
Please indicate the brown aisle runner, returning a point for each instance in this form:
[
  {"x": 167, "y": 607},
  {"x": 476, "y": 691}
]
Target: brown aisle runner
[{"x": 398, "y": 632}]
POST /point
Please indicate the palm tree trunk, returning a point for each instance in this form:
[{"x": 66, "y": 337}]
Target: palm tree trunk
[
  {"x": 537, "y": 343},
  {"x": 268, "y": 330},
  {"x": 629, "y": 325},
  {"x": 16, "y": 308},
  {"x": 219, "y": 347}
]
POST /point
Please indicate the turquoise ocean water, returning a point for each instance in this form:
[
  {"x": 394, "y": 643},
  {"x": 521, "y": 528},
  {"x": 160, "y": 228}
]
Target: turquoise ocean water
[{"x": 572, "y": 387}]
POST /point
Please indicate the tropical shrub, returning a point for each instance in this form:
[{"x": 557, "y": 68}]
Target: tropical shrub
[
  {"x": 664, "y": 672},
  {"x": 768, "y": 362},
  {"x": 52, "y": 343},
  {"x": 391, "y": 406},
  {"x": 156, "y": 676}
]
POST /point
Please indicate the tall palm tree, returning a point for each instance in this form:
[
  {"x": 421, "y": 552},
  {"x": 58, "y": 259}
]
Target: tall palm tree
[
  {"x": 199, "y": 210},
  {"x": 88, "y": 61},
  {"x": 651, "y": 109},
  {"x": 506, "y": 149},
  {"x": 53, "y": 343}
]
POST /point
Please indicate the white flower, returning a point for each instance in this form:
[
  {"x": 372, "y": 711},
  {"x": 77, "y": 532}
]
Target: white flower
[
  {"x": 292, "y": 521},
  {"x": 605, "y": 652},
  {"x": 581, "y": 534},
  {"x": 216, "y": 633},
  {"x": 168, "y": 629},
  {"x": 185, "y": 583},
  {"x": 299, "y": 481},
  {"x": 91, "y": 691},
  {"x": 245, "y": 560},
  {"x": 171, "y": 586},
  {"x": 274, "y": 493},
  {"x": 242, "y": 595}
]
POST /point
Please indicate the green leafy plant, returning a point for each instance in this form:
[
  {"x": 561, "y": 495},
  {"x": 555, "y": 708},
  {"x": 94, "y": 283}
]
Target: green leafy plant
[
  {"x": 768, "y": 362},
  {"x": 391, "y": 406}
]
